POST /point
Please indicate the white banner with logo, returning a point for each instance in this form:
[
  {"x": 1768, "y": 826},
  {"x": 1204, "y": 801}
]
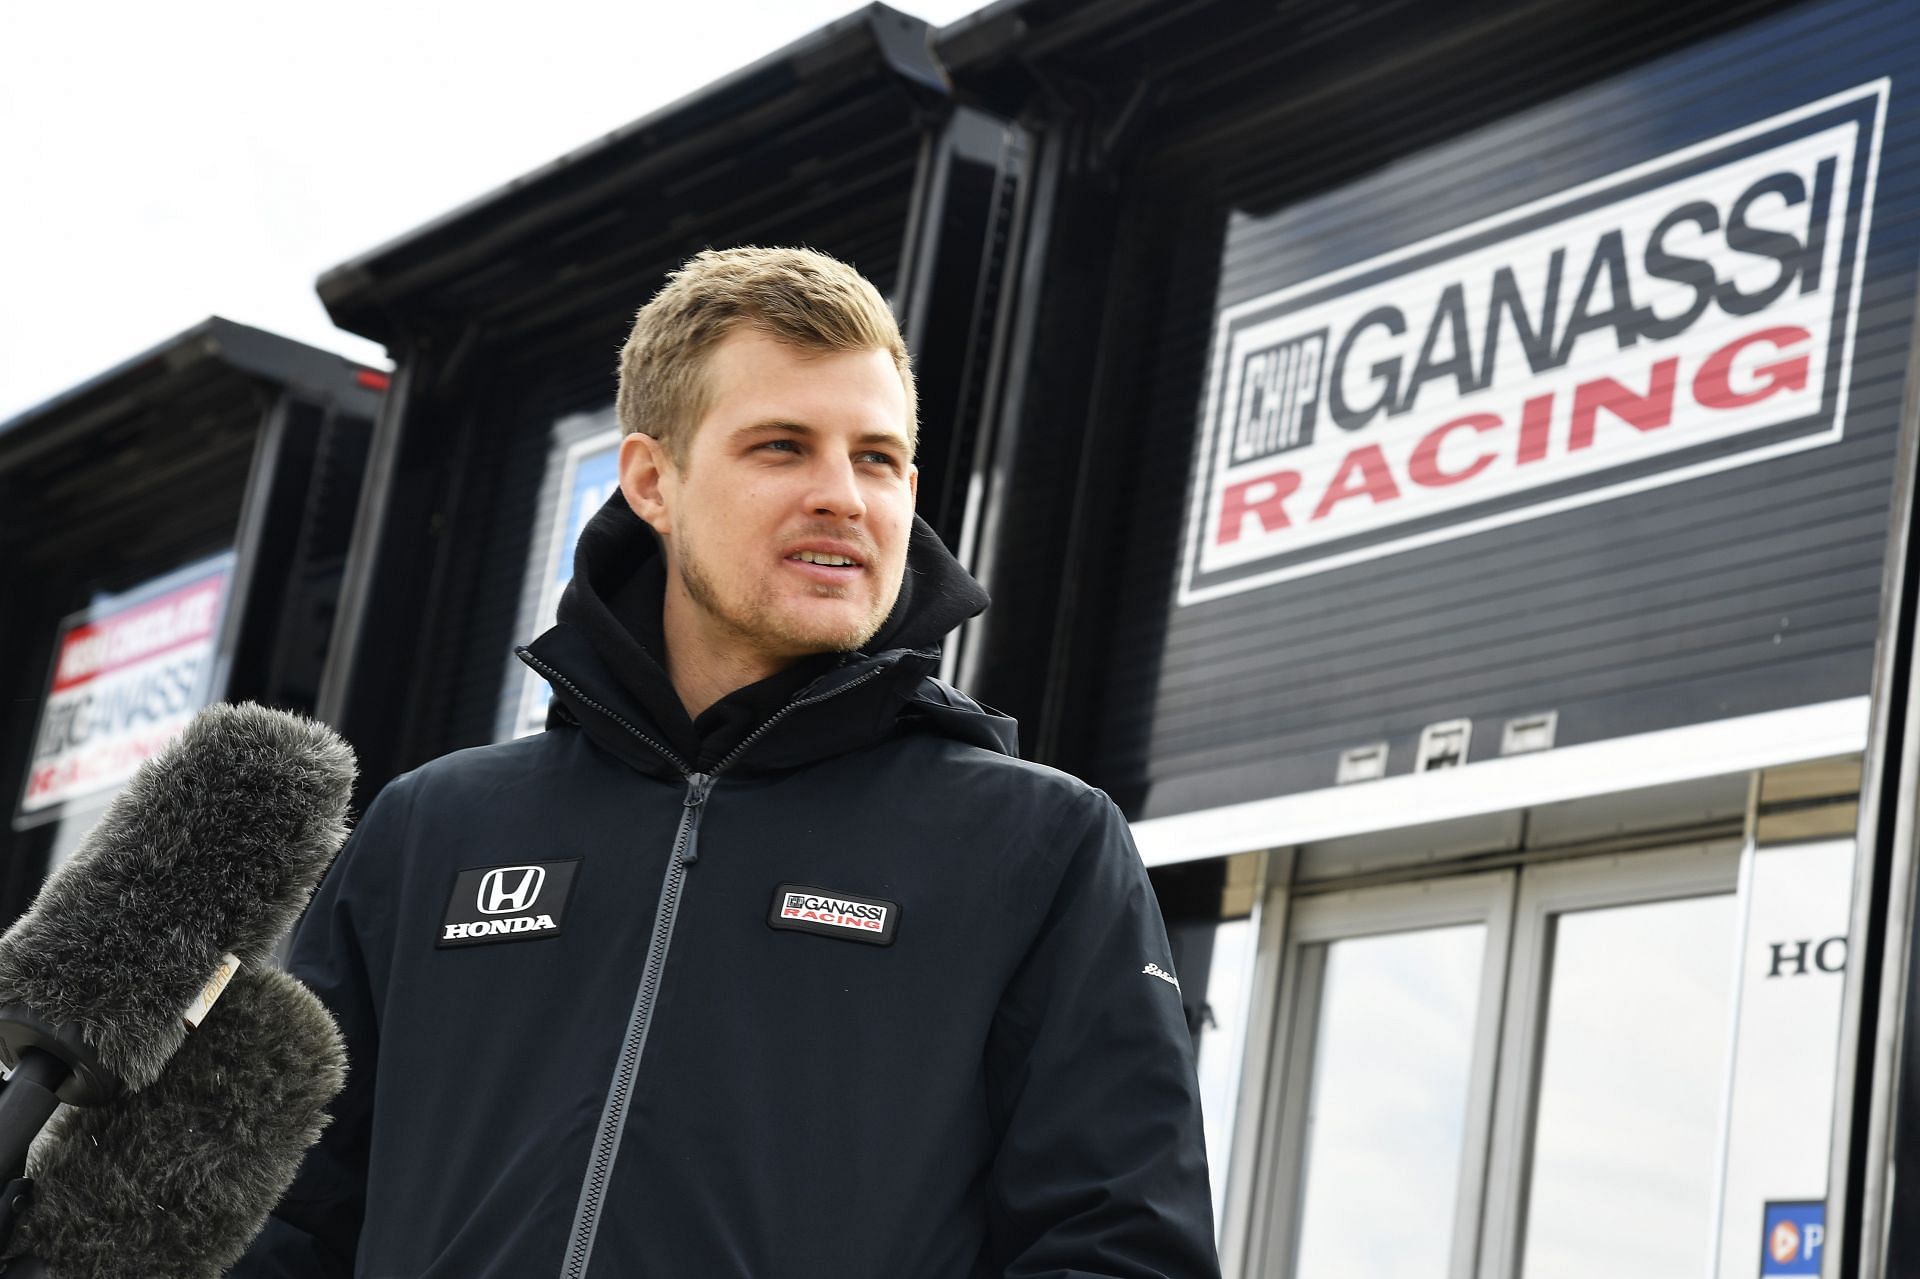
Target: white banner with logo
[
  {"x": 128, "y": 673},
  {"x": 1677, "y": 318}
]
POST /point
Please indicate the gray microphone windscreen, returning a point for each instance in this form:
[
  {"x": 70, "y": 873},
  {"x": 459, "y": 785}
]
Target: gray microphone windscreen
[
  {"x": 174, "y": 1181},
  {"x": 212, "y": 847}
]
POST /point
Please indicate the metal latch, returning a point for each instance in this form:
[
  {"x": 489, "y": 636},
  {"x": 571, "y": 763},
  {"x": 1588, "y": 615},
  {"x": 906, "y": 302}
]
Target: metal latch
[
  {"x": 1361, "y": 764},
  {"x": 1526, "y": 733},
  {"x": 1443, "y": 745}
]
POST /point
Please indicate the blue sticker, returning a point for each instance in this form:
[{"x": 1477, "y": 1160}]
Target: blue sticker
[{"x": 1794, "y": 1238}]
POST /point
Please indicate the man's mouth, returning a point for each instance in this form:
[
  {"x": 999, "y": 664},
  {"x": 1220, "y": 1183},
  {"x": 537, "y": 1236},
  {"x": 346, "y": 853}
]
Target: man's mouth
[{"x": 825, "y": 559}]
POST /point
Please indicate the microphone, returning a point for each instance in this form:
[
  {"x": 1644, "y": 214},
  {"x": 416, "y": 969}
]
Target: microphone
[
  {"x": 212, "y": 848},
  {"x": 175, "y": 1180},
  {"x": 199, "y": 864}
]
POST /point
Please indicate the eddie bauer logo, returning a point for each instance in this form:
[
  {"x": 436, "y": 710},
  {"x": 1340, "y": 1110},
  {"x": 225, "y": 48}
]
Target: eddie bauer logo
[
  {"x": 507, "y": 903},
  {"x": 1680, "y": 317},
  {"x": 1155, "y": 970},
  {"x": 799, "y": 908}
]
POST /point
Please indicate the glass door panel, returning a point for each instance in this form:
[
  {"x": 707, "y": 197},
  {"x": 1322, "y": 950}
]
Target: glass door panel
[
  {"x": 1614, "y": 1062},
  {"x": 1390, "y": 1022},
  {"x": 1627, "y": 1110},
  {"x": 1392, "y": 1060}
]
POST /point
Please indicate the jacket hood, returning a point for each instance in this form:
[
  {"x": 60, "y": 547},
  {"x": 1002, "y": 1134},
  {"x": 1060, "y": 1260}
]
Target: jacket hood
[{"x": 600, "y": 660}]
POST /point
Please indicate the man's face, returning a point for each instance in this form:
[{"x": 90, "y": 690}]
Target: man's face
[{"x": 801, "y": 458}]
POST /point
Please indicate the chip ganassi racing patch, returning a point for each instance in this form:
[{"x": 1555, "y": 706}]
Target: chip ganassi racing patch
[{"x": 819, "y": 910}]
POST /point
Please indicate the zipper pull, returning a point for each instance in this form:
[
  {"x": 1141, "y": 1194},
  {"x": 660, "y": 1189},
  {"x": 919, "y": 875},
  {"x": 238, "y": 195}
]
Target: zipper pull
[{"x": 698, "y": 784}]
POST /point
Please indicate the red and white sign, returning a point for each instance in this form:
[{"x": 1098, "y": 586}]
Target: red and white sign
[
  {"x": 127, "y": 676},
  {"x": 838, "y": 914},
  {"x": 1686, "y": 315}
]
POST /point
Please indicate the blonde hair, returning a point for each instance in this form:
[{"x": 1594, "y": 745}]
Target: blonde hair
[{"x": 797, "y": 296}]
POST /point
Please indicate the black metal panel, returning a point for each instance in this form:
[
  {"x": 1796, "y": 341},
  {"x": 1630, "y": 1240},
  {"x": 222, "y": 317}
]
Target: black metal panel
[
  {"x": 147, "y": 468},
  {"x": 134, "y": 488},
  {"x": 951, "y": 291},
  {"x": 1875, "y": 1169},
  {"x": 1747, "y": 590},
  {"x": 769, "y": 130},
  {"x": 309, "y": 500},
  {"x": 472, "y": 465},
  {"x": 1137, "y": 109},
  {"x": 509, "y": 316},
  {"x": 26, "y": 652}
]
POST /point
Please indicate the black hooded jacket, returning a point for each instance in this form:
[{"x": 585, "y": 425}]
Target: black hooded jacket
[{"x": 826, "y": 983}]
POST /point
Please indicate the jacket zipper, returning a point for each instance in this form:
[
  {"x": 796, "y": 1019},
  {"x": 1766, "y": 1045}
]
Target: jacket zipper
[
  {"x": 686, "y": 851},
  {"x": 525, "y": 654}
]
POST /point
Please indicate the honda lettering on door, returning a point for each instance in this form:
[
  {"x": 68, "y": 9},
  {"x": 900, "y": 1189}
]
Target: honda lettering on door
[{"x": 1684, "y": 316}]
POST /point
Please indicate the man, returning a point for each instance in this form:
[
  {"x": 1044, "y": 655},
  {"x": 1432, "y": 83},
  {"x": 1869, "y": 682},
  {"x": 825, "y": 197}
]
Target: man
[{"x": 769, "y": 957}]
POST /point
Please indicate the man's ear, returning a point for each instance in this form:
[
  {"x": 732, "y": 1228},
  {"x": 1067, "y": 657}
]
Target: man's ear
[
  {"x": 913, "y": 482},
  {"x": 647, "y": 480}
]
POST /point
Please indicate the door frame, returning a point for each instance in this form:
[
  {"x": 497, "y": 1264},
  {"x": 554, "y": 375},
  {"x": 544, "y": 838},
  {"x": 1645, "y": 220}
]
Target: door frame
[
  {"x": 1545, "y": 891},
  {"x": 1315, "y": 921}
]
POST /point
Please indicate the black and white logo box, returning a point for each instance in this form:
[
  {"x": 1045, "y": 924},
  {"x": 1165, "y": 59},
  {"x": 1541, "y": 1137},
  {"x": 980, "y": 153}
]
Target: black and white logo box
[
  {"x": 1677, "y": 318},
  {"x": 524, "y": 901},
  {"x": 803, "y": 908}
]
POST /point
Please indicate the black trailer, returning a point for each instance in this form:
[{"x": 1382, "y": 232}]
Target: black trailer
[
  {"x": 172, "y": 532},
  {"x": 1444, "y": 468},
  {"x": 506, "y": 317},
  {"x": 1453, "y": 486}
]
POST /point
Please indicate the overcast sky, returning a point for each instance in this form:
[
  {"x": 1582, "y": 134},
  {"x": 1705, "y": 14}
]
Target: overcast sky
[{"x": 163, "y": 163}]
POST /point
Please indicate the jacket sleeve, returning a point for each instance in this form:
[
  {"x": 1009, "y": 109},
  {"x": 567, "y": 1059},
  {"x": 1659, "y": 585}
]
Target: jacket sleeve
[
  {"x": 1101, "y": 1168},
  {"x": 314, "y": 1231}
]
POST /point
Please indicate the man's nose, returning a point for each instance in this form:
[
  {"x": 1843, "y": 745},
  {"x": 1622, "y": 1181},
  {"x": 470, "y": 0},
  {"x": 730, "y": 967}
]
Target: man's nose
[{"x": 836, "y": 489}]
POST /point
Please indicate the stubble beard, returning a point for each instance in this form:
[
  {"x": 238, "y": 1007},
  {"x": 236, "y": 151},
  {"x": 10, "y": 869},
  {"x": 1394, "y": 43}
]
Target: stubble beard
[{"x": 761, "y": 622}]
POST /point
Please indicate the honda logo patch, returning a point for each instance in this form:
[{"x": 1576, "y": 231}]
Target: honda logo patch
[
  {"x": 831, "y": 914},
  {"x": 507, "y": 889},
  {"x": 507, "y": 903}
]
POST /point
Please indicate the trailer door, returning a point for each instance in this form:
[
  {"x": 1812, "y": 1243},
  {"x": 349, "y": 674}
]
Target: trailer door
[{"x": 1514, "y": 1073}]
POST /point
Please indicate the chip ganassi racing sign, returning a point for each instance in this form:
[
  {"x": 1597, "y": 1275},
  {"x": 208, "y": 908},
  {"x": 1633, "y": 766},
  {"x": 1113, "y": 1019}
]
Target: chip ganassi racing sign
[
  {"x": 128, "y": 674},
  {"x": 1680, "y": 317}
]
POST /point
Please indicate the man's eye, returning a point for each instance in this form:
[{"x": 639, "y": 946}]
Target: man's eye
[
  {"x": 782, "y": 445},
  {"x": 884, "y": 459}
]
